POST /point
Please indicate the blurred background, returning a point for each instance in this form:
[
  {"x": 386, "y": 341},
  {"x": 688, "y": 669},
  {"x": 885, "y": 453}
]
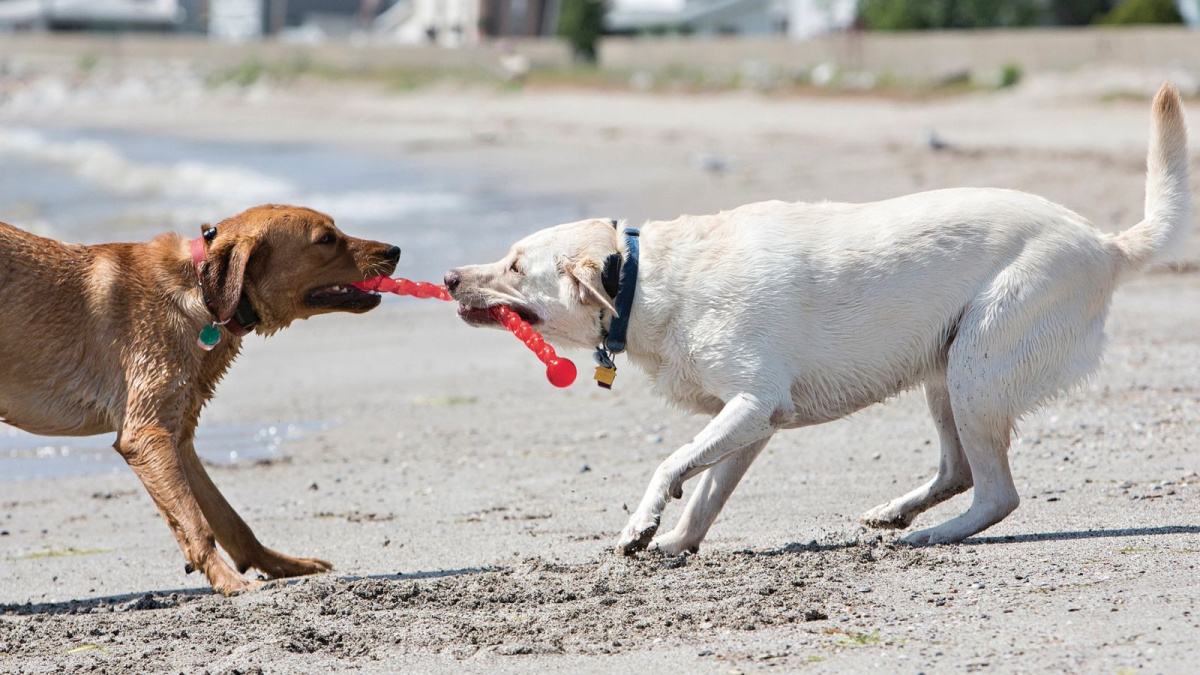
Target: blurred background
[
  {"x": 124, "y": 117},
  {"x": 453, "y": 127}
]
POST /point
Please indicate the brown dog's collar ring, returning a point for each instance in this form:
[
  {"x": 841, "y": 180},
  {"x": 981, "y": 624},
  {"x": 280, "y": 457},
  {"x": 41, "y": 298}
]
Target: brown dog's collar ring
[{"x": 244, "y": 317}]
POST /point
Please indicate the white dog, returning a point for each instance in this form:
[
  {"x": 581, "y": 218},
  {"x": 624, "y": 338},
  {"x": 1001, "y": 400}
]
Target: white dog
[{"x": 775, "y": 316}]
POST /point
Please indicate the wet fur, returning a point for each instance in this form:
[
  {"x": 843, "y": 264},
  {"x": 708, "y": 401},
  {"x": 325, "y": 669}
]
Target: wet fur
[
  {"x": 95, "y": 339},
  {"x": 781, "y": 315}
]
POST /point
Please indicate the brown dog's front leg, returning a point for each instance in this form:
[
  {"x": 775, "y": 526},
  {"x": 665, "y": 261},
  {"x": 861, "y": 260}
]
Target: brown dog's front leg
[
  {"x": 150, "y": 452},
  {"x": 233, "y": 533}
]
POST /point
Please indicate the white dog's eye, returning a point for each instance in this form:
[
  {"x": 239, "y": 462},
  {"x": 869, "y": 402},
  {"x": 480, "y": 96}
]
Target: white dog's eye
[{"x": 514, "y": 268}]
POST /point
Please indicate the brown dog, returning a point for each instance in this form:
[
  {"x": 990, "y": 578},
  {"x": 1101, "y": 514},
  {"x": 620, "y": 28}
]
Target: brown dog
[{"x": 108, "y": 338}]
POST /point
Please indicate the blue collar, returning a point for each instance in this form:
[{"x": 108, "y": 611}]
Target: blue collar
[{"x": 623, "y": 289}]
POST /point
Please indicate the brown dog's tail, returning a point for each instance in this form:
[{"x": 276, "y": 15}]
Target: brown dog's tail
[{"x": 1168, "y": 218}]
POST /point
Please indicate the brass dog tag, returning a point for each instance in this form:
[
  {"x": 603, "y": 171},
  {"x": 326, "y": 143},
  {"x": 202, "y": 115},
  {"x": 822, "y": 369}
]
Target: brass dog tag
[{"x": 605, "y": 376}]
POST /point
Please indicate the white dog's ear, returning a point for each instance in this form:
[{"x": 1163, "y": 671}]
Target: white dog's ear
[{"x": 589, "y": 286}]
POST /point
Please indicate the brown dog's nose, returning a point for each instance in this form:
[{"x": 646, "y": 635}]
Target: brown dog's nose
[
  {"x": 392, "y": 254},
  {"x": 452, "y": 280}
]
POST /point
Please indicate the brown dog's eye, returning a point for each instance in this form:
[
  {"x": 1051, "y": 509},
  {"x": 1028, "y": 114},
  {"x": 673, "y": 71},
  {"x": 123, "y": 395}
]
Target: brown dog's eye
[{"x": 327, "y": 238}]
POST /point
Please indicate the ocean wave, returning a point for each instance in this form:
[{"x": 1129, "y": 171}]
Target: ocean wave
[
  {"x": 190, "y": 191},
  {"x": 102, "y": 164}
]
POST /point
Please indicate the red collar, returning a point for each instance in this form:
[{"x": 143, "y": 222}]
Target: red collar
[{"x": 243, "y": 311}]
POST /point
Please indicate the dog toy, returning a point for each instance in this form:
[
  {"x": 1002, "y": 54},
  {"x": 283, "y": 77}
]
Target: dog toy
[
  {"x": 561, "y": 372},
  {"x": 417, "y": 289}
]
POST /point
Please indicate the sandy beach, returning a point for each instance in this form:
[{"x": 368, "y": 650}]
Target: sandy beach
[{"x": 470, "y": 509}]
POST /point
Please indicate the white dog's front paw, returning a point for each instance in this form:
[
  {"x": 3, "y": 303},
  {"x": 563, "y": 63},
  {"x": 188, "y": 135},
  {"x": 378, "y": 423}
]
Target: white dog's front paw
[
  {"x": 674, "y": 543},
  {"x": 887, "y": 516},
  {"x": 637, "y": 534}
]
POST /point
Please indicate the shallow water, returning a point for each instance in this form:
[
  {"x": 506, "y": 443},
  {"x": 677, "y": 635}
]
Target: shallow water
[
  {"x": 24, "y": 456},
  {"x": 95, "y": 186}
]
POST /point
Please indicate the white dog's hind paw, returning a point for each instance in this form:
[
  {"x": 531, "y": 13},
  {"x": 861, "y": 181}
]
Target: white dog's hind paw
[
  {"x": 932, "y": 537},
  {"x": 637, "y": 534},
  {"x": 674, "y": 543},
  {"x": 887, "y": 517}
]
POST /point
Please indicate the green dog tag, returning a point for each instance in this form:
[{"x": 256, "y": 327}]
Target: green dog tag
[{"x": 210, "y": 335}]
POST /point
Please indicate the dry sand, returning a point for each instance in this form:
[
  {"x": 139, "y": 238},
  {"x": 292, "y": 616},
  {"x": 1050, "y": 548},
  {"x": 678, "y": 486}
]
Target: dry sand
[{"x": 470, "y": 508}]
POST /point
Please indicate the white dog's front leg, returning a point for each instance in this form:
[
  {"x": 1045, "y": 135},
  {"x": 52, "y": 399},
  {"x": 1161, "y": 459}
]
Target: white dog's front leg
[
  {"x": 745, "y": 419},
  {"x": 710, "y": 495}
]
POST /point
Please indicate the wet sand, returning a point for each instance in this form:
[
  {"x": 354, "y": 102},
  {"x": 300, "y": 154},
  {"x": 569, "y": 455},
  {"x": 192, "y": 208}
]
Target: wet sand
[{"x": 469, "y": 508}]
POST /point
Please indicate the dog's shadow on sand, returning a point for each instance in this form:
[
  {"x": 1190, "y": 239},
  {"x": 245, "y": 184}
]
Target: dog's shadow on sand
[
  {"x": 167, "y": 599},
  {"x": 417, "y": 576},
  {"x": 1086, "y": 534}
]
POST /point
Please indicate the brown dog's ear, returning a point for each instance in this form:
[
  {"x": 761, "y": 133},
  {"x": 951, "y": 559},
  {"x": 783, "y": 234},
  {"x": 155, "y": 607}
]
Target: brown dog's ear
[
  {"x": 223, "y": 274},
  {"x": 589, "y": 284}
]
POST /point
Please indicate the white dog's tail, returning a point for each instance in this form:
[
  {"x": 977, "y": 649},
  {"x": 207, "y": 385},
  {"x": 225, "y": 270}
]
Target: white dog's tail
[{"x": 1168, "y": 216}]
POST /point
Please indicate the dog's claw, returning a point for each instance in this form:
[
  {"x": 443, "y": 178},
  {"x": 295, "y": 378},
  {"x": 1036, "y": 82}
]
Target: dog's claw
[
  {"x": 884, "y": 517},
  {"x": 636, "y": 537}
]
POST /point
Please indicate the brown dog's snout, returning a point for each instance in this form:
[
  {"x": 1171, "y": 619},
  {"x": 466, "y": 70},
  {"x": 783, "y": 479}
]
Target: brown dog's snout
[
  {"x": 452, "y": 280},
  {"x": 392, "y": 254}
]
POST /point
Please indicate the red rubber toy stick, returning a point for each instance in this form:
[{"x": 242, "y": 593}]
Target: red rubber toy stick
[
  {"x": 560, "y": 372},
  {"x": 417, "y": 289}
]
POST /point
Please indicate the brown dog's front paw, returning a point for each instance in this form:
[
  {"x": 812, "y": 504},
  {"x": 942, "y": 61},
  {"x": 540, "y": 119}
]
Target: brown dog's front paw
[{"x": 277, "y": 565}]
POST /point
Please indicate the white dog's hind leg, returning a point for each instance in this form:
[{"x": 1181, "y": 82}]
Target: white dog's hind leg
[
  {"x": 745, "y": 419},
  {"x": 709, "y": 497},
  {"x": 953, "y": 474},
  {"x": 982, "y": 398}
]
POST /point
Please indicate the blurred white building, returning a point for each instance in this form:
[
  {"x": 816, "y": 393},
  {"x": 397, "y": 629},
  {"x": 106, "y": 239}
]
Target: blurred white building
[
  {"x": 90, "y": 14},
  {"x": 1190, "y": 11},
  {"x": 698, "y": 17},
  {"x": 235, "y": 20},
  {"x": 812, "y": 18},
  {"x": 449, "y": 23}
]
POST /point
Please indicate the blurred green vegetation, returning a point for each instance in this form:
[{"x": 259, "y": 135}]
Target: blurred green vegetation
[
  {"x": 581, "y": 22},
  {"x": 1010, "y": 75},
  {"x": 894, "y": 15},
  {"x": 1142, "y": 12},
  {"x": 676, "y": 77},
  {"x": 933, "y": 14}
]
